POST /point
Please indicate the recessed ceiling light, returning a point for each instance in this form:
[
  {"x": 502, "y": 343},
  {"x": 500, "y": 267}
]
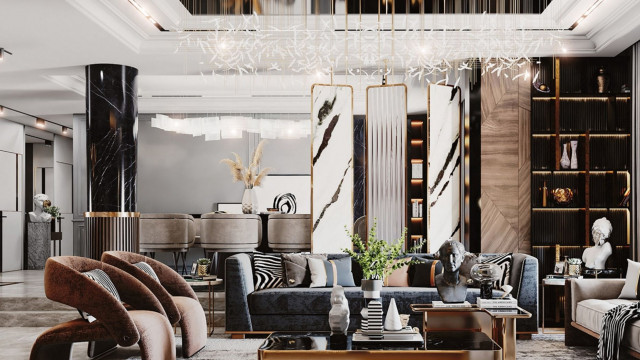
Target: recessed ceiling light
[{"x": 40, "y": 123}]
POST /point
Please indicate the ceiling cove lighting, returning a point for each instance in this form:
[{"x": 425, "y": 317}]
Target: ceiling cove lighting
[
  {"x": 146, "y": 14},
  {"x": 4, "y": 51},
  {"x": 40, "y": 123},
  {"x": 586, "y": 13}
]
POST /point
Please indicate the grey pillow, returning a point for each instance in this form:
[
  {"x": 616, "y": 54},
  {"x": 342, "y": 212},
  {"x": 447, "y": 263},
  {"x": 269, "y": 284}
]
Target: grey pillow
[
  {"x": 630, "y": 289},
  {"x": 339, "y": 272},
  {"x": 296, "y": 268}
]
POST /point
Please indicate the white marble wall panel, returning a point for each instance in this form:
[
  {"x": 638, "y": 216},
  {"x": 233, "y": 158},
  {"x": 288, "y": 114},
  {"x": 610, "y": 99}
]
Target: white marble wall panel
[
  {"x": 331, "y": 167},
  {"x": 443, "y": 171},
  {"x": 387, "y": 159}
]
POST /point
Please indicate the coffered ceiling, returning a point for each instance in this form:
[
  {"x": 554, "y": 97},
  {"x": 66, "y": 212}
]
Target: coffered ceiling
[{"x": 52, "y": 41}]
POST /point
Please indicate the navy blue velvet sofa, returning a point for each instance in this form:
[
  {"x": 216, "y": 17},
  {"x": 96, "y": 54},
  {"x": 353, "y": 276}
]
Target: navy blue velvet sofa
[{"x": 307, "y": 309}]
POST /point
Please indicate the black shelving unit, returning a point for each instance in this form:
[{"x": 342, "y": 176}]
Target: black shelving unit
[
  {"x": 417, "y": 183},
  {"x": 601, "y": 124}
]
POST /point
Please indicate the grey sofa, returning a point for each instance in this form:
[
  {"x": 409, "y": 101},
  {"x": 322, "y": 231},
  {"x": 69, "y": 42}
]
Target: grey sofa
[
  {"x": 586, "y": 302},
  {"x": 307, "y": 309}
]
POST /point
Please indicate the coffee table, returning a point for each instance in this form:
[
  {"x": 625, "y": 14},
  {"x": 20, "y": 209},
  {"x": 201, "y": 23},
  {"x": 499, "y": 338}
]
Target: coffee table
[
  {"x": 209, "y": 283},
  {"x": 498, "y": 324},
  {"x": 438, "y": 345}
]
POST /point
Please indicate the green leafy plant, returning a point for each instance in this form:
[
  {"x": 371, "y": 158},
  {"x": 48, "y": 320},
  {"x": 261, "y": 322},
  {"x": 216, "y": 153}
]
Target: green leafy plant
[
  {"x": 54, "y": 211},
  {"x": 377, "y": 257},
  {"x": 203, "y": 261}
]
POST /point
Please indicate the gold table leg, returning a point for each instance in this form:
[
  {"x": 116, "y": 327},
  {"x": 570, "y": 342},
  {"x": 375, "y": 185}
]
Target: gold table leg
[{"x": 211, "y": 308}]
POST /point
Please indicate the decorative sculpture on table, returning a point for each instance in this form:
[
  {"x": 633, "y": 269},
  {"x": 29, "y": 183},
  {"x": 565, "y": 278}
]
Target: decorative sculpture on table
[
  {"x": 392, "y": 322},
  {"x": 40, "y": 202},
  {"x": 596, "y": 256},
  {"x": 339, "y": 313},
  {"x": 486, "y": 274},
  {"x": 452, "y": 287}
]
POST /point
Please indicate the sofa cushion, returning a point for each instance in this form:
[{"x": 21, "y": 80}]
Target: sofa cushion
[
  {"x": 296, "y": 269},
  {"x": 339, "y": 272},
  {"x": 589, "y": 313},
  {"x": 399, "y": 276},
  {"x": 630, "y": 289},
  {"x": 267, "y": 270},
  {"x": 504, "y": 261},
  {"x": 316, "y": 301},
  {"x": 424, "y": 272}
]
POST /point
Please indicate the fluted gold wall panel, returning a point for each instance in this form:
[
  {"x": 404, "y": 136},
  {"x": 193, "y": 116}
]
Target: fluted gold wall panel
[{"x": 111, "y": 231}]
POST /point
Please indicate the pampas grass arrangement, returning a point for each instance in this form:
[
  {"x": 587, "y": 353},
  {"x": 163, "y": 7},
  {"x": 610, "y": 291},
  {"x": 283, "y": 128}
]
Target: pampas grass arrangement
[{"x": 249, "y": 175}]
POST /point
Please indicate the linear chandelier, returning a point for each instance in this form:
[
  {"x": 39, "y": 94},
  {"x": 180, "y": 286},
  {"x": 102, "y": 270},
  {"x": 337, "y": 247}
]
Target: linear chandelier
[
  {"x": 413, "y": 45},
  {"x": 233, "y": 126}
]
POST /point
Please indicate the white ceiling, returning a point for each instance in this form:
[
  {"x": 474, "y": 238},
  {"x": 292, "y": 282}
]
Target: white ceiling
[{"x": 52, "y": 41}]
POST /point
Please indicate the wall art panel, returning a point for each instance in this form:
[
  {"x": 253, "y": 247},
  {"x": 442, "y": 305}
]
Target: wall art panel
[
  {"x": 443, "y": 173},
  {"x": 386, "y": 159},
  {"x": 331, "y": 167}
]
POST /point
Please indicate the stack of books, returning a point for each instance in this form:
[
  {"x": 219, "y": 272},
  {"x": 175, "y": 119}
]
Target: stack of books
[
  {"x": 405, "y": 334},
  {"x": 440, "y": 304},
  {"x": 498, "y": 303}
]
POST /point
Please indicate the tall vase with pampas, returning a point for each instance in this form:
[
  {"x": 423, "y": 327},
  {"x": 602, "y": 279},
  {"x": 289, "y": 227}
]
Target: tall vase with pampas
[{"x": 250, "y": 176}]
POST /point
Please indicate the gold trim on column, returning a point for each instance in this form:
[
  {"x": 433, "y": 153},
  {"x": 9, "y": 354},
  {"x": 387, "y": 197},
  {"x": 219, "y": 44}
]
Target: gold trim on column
[{"x": 111, "y": 214}]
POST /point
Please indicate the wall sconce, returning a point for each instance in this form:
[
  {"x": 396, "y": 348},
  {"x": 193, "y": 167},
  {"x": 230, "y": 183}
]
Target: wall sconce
[
  {"x": 40, "y": 123},
  {"x": 4, "y": 51},
  {"x": 65, "y": 130},
  {"x": 1, "y": 110}
]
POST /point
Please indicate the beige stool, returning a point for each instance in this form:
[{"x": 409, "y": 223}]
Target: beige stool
[
  {"x": 173, "y": 233},
  {"x": 289, "y": 232}
]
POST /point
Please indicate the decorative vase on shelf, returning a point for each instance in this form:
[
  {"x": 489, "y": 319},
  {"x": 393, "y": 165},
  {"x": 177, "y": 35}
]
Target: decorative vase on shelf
[
  {"x": 574, "y": 154},
  {"x": 602, "y": 80},
  {"x": 564, "y": 161},
  {"x": 371, "y": 290},
  {"x": 249, "y": 201}
]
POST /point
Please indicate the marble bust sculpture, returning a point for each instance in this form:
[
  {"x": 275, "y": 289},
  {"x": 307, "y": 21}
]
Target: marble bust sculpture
[
  {"x": 38, "y": 214},
  {"x": 596, "y": 256},
  {"x": 452, "y": 286}
]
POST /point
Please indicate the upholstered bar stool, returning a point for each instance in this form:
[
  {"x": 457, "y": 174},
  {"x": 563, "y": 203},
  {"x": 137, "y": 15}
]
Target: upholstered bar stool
[
  {"x": 173, "y": 233},
  {"x": 230, "y": 233},
  {"x": 289, "y": 232}
]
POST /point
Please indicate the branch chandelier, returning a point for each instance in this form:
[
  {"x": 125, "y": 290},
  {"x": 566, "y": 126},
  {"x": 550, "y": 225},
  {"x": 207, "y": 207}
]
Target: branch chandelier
[{"x": 413, "y": 45}]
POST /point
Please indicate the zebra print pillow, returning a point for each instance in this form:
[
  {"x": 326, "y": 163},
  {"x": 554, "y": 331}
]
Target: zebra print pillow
[
  {"x": 504, "y": 261},
  {"x": 267, "y": 272},
  {"x": 103, "y": 279},
  {"x": 147, "y": 269}
]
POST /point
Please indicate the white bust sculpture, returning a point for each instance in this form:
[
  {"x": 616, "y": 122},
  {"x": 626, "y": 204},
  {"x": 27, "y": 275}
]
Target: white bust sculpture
[
  {"x": 595, "y": 257},
  {"x": 38, "y": 214}
]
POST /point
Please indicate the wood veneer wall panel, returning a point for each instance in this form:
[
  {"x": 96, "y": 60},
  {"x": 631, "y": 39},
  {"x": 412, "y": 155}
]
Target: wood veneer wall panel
[{"x": 505, "y": 158}]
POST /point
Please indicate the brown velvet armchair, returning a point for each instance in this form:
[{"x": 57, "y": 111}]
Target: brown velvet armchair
[
  {"x": 176, "y": 296},
  {"x": 146, "y": 326}
]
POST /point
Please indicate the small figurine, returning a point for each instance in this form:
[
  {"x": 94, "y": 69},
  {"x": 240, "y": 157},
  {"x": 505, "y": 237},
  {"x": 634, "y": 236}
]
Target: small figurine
[
  {"x": 40, "y": 201},
  {"x": 452, "y": 286},
  {"x": 596, "y": 256}
]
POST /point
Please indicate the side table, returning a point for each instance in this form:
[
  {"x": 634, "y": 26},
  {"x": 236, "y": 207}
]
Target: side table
[
  {"x": 210, "y": 283},
  {"x": 555, "y": 286}
]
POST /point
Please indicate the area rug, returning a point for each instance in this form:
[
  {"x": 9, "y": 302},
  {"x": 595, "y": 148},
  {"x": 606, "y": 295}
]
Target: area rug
[{"x": 220, "y": 347}]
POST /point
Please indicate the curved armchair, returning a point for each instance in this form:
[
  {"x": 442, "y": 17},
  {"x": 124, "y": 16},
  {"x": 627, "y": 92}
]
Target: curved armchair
[
  {"x": 147, "y": 325},
  {"x": 177, "y": 297},
  {"x": 174, "y": 233},
  {"x": 289, "y": 232},
  {"x": 230, "y": 232}
]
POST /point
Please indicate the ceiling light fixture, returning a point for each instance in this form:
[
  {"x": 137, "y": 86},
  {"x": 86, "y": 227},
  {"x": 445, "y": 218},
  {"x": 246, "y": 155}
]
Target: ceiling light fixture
[
  {"x": 586, "y": 13},
  {"x": 146, "y": 15},
  {"x": 40, "y": 123},
  {"x": 4, "y": 51},
  {"x": 1, "y": 110},
  {"x": 65, "y": 130}
]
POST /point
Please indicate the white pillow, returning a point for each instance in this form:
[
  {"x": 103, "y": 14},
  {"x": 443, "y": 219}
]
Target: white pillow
[
  {"x": 629, "y": 291},
  {"x": 318, "y": 272}
]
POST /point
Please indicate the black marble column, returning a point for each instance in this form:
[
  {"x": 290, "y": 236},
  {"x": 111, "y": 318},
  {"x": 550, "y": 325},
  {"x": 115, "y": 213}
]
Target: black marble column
[{"x": 112, "y": 131}]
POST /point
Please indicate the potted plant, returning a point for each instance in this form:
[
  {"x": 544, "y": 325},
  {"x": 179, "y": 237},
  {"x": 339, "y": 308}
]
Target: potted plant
[
  {"x": 250, "y": 176},
  {"x": 203, "y": 266},
  {"x": 54, "y": 211},
  {"x": 378, "y": 259}
]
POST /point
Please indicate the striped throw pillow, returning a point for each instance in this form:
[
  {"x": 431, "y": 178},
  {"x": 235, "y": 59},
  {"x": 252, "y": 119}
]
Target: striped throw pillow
[
  {"x": 267, "y": 272},
  {"x": 504, "y": 261},
  {"x": 103, "y": 279},
  {"x": 147, "y": 269}
]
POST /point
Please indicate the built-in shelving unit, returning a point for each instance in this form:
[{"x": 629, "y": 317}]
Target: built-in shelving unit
[
  {"x": 417, "y": 179},
  {"x": 573, "y": 110}
]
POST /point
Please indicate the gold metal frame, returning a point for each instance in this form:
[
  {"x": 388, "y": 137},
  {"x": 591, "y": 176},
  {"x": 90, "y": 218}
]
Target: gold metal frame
[
  {"x": 366, "y": 154},
  {"x": 111, "y": 214},
  {"x": 460, "y": 147},
  {"x": 311, "y": 151}
]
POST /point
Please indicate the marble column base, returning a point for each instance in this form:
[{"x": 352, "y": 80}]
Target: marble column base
[{"x": 38, "y": 245}]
